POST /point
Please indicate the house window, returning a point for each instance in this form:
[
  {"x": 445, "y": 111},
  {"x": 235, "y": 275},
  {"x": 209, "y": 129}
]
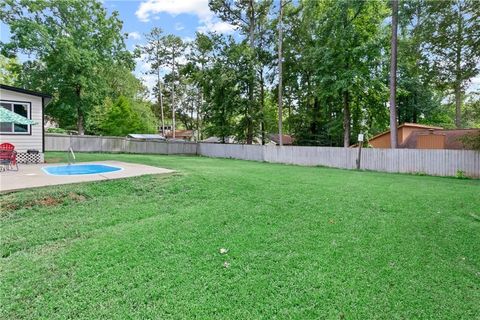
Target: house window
[{"x": 21, "y": 108}]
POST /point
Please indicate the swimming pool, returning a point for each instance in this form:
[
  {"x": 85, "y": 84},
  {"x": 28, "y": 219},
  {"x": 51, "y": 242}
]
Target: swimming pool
[{"x": 79, "y": 169}]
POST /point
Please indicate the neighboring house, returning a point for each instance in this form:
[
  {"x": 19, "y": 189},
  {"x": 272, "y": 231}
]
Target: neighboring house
[
  {"x": 287, "y": 140},
  {"x": 50, "y": 123},
  {"x": 148, "y": 137},
  {"x": 187, "y": 135},
  {"x": 438, "y": 139},
  {"x": 417, "y": 136},
  {"x": 29, "y": 104},
  {"x": 166, "y": 128},
  {"x": 271, "y": 139},
  {"x": 218, "y": 140}
]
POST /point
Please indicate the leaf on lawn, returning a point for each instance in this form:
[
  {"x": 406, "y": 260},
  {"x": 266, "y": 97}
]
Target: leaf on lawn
[
  {"x": 223, "y": 250},
  {"x": 226, "y": 264}
]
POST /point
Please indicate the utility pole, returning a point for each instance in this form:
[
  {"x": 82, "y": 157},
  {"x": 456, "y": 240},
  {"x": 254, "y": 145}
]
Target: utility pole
[{"x": 173, "y": 92}]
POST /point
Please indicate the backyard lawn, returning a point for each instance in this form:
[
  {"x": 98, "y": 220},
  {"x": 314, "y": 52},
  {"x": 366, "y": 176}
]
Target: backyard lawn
[{"x": 303, "y": 243}]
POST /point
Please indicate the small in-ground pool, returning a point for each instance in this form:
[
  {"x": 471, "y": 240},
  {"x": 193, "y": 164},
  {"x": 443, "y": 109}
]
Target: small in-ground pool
[{"x": 80, "y": 169}]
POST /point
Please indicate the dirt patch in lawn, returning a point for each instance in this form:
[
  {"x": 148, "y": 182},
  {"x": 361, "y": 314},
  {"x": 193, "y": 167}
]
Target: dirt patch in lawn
[{"x": 12, "y": 203}]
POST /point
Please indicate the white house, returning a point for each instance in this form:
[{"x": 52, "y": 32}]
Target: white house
[{"x": 29, "y": 104}]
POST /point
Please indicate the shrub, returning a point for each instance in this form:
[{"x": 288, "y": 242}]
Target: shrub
[
  {"x": 471, "y": 141},
  {"x": 56, "y": 130}
]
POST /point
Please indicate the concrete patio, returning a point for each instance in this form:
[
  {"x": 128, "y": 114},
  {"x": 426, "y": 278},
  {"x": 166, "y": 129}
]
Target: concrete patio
[{"x": 32, "y": 175}]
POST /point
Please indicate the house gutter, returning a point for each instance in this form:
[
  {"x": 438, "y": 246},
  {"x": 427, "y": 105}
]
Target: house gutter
[{"x": 45, "y": 102}]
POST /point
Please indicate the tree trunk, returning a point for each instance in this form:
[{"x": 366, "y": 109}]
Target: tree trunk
[
  {"x": 251, "y": 18},
  {"x": 346, "y": 102},
  {"x": 315, "y": 125},
  {"x": 223, "y": 123},
  {"x": 393, "y": 77},
  {"x": 173, "y": 93},
  {"x": 249, "y": 127},
  {"x": 80, "y": 115},
  {"x": 251, "y": 96},
  {"x": 160, "y": 101},
  {"x": 346, "y": 120},
  {"x": 288, "y": 124},
  {"x": 458, "y": 106},
  {"x": 458, "y": 60},
  {"x": 199, "y": 103},
  {"x": 280, "y": 75},
  {"x": 262, "y": 107},
  {"x": 80, "y": 122}
]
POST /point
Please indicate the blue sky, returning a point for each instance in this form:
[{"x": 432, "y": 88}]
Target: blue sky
[{"x": 180, "y": 17}]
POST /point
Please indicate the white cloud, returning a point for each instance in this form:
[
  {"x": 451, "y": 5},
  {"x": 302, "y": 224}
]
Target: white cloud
[
  {"x": 187, "y": 39},
  {"x": 173, "y": 7},
  {"x": 179, "y": 26},
  {"x": 208, "y": 21},
  {"x": 134, "y": 35},
  {"x": 142, "y": 64},
  {"x": 218, "y": 26},
  {"x": 474, "y": 84},
  {"x": 149, "y": 80}
]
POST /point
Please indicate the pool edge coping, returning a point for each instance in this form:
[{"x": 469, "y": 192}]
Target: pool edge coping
[{"x": 79, "y": 175}]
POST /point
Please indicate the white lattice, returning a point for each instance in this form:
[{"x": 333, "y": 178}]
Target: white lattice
[{"x": 23, "y": 157}]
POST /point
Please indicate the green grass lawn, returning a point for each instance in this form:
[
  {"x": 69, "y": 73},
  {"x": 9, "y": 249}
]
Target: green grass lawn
[{"x": 303, "y": 243}]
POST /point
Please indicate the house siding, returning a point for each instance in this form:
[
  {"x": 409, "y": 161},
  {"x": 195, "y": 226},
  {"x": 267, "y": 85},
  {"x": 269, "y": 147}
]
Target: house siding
[
  {"x": 431, "y": 141},
  {"x": 34, "y": 140},
  {"x": 381, "y": 142}
]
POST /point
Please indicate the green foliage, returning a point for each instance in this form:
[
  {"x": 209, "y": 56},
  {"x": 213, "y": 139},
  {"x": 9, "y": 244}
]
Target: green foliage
[
  {"x": 121, "y": 117},
  {"x": 148, "y": 122},
  {"x": 56, "y": 130},
  {"x": 461, "y": 174},
  {"x": 9, "y": 70},
  {"x": 416, "y": 96},
  {"x": 227, "y": 81},
  {"x": 155, "y": 55},
  {"x": 449, "y": 34},
  {"x": 340, "y": 69},
  {"x": 472, "y": 141},
  {"x": 471, "y": 110},
  {"x": 251, "y": 19}
]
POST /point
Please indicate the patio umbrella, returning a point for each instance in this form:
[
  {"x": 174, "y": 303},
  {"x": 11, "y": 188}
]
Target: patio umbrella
[{"x": 9, "y": 116}]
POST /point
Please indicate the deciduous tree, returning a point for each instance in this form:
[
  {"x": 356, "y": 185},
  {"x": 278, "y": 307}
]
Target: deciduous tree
[
  {"x": 75, "y": 43},
  {"x": 450, "y": 39}
]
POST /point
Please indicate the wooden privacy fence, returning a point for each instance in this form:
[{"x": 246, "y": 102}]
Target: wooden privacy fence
[
  {"x": 431, "y": 162},
  {"x": 116, "y": 144}
]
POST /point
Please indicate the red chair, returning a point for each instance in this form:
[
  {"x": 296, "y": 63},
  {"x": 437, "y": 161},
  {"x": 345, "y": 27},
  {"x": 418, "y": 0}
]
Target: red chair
[{"x": 8, "y": 155}]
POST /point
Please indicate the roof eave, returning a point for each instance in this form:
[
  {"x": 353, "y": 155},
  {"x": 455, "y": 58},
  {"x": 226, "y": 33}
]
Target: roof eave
[{"x": 25, "y": 91}]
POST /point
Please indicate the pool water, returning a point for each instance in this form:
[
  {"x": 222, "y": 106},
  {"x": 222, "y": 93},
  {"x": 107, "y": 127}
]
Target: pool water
[{"x": 80, "y": 169}]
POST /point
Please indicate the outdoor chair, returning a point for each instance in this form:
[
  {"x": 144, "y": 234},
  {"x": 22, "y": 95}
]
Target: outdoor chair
[{"x": 8, "y": 156}]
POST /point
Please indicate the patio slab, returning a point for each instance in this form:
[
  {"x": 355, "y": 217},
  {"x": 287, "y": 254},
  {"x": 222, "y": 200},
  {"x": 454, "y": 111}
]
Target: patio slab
[{"x": 32, "y": 175}]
